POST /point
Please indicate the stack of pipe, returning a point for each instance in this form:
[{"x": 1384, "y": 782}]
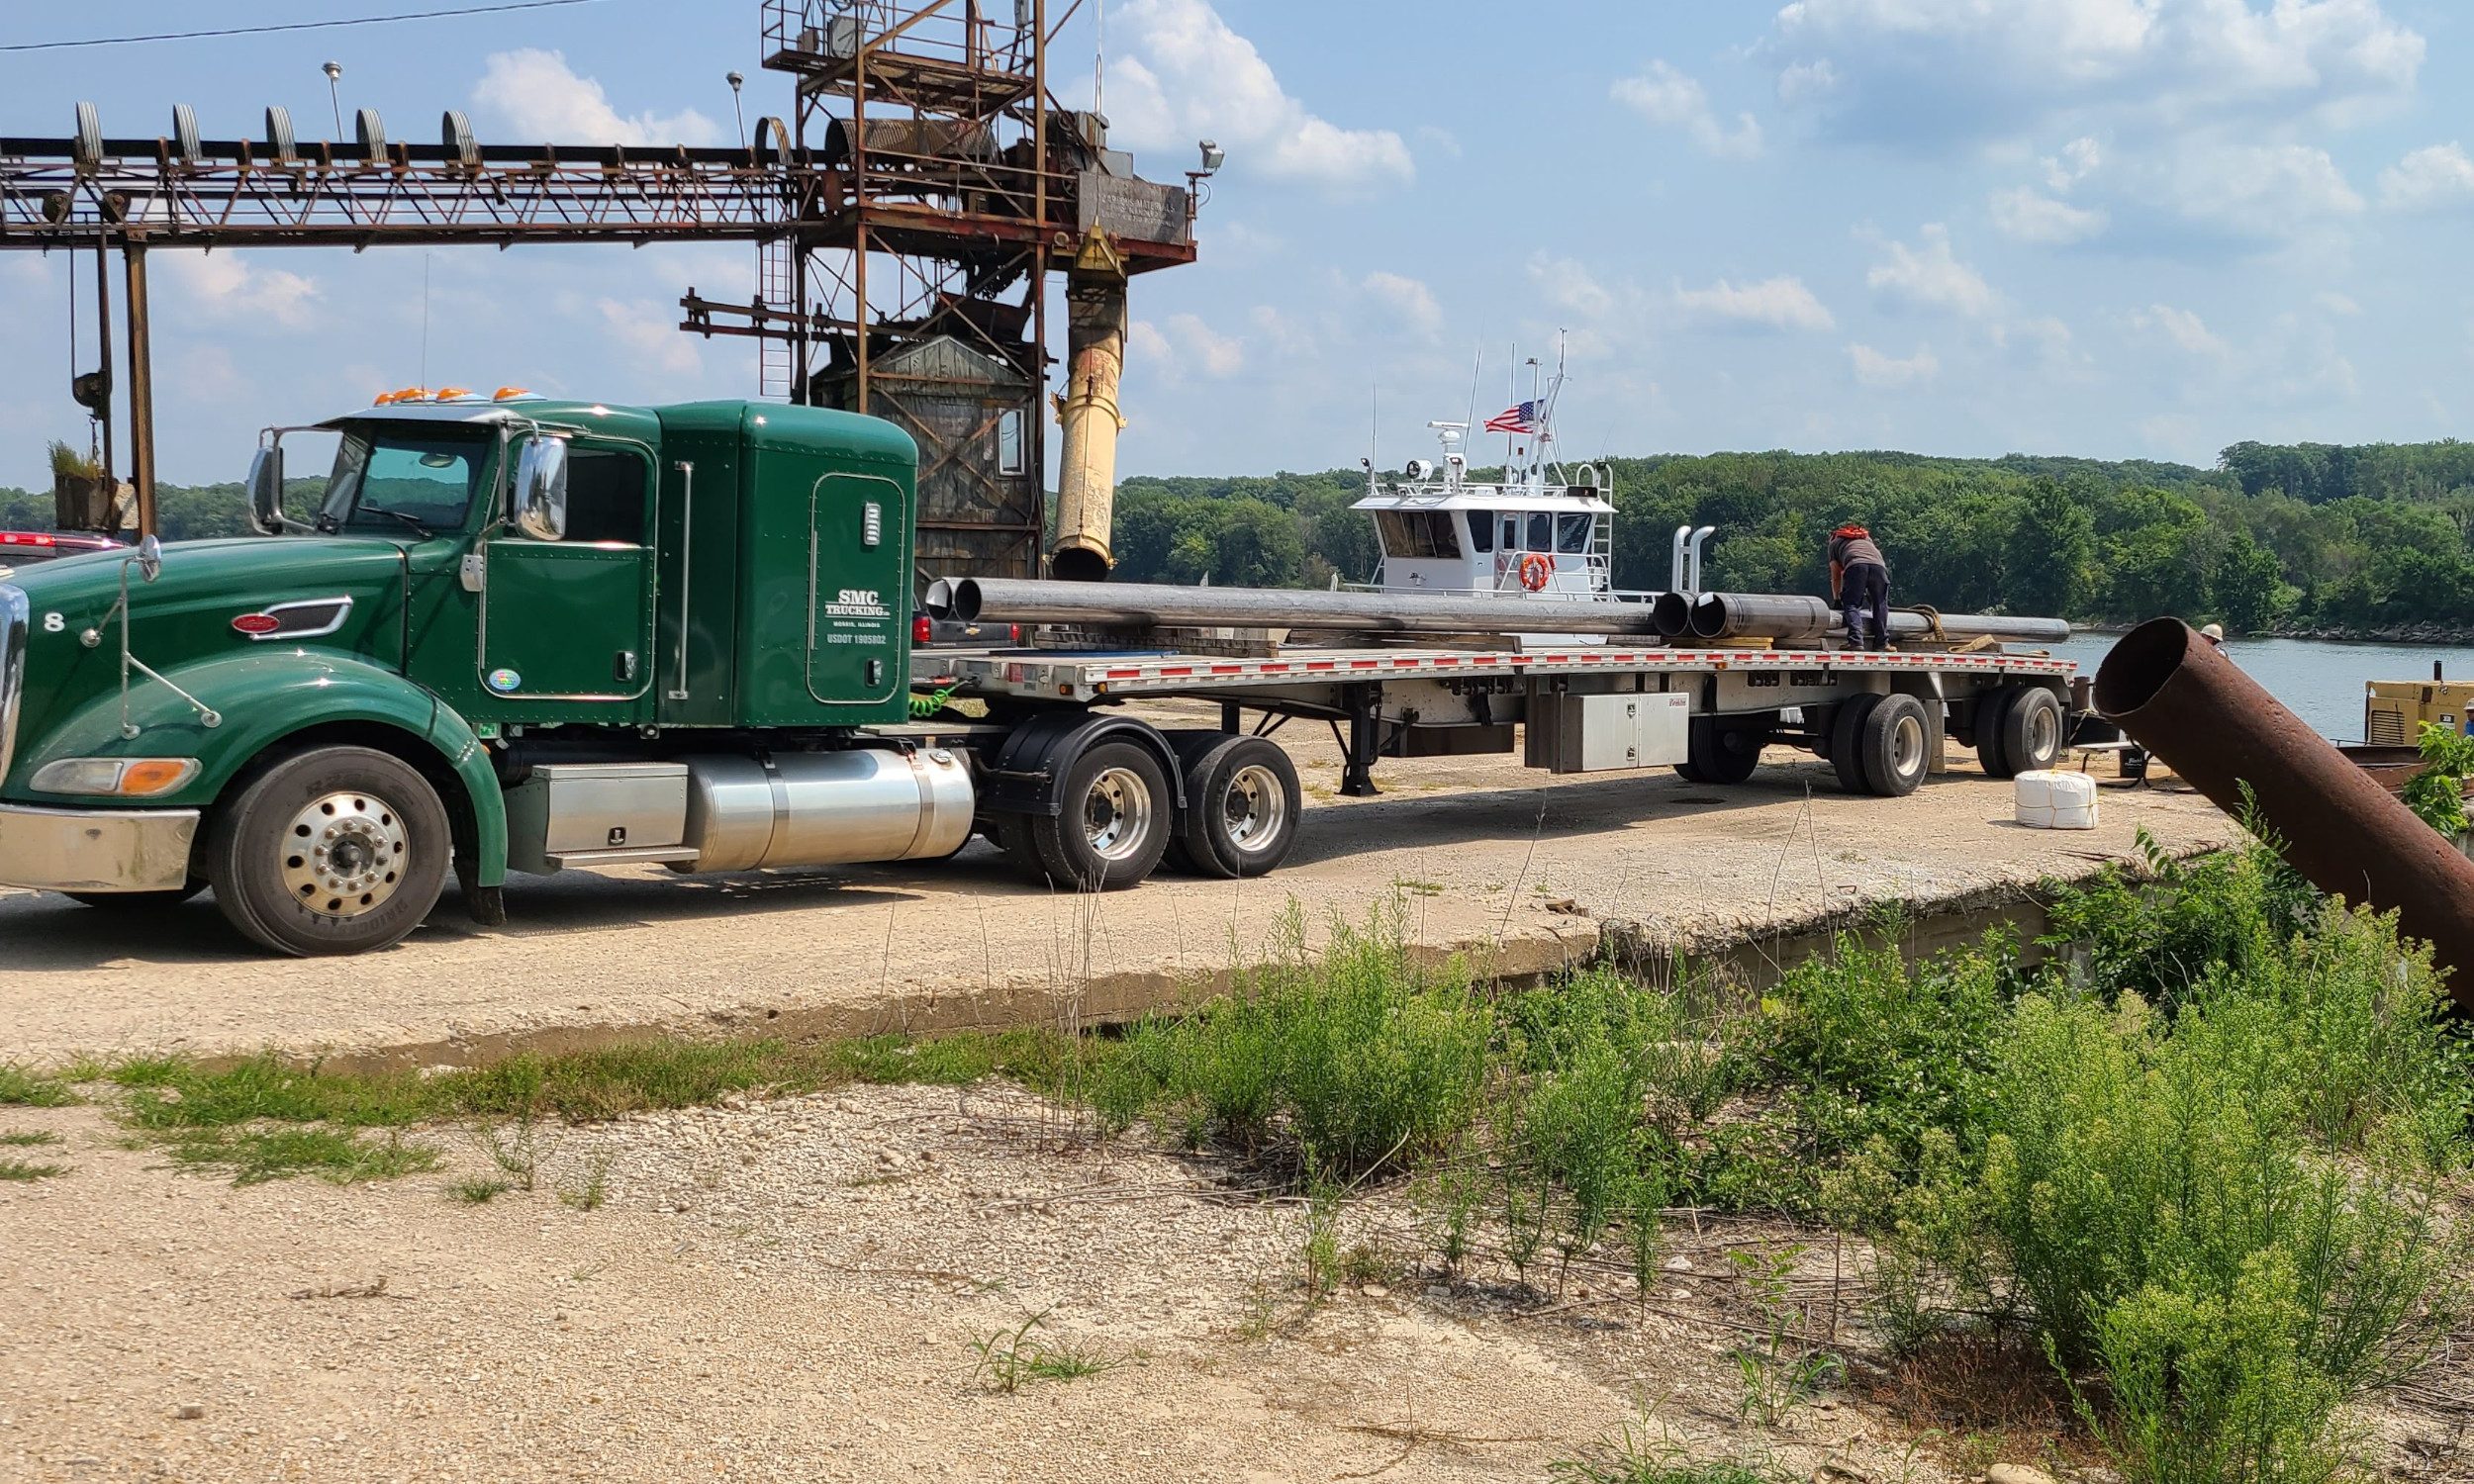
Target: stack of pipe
[
  {"x": 1782, "y": 618},
  {"x": 1787, "y": 617},
  {"x": 974, "y": 600}
]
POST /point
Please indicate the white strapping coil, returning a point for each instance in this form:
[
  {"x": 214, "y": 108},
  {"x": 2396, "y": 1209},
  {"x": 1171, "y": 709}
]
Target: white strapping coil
[{"x": 2050, "y": 800}]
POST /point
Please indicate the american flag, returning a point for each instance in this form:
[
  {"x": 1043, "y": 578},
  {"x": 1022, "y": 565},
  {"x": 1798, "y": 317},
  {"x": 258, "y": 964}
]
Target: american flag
[{"x": 1519, "y": 420}]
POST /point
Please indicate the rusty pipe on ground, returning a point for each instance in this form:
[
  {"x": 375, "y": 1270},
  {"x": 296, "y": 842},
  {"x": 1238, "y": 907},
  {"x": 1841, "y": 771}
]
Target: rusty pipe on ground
[
  {"x": 2186, "y": 703},
  {"x": 1088, "y": 413}
]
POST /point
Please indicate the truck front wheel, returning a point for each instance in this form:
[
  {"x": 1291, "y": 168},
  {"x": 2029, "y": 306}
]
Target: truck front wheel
[
  {"x": 338, "y": 850},
  {"x": 1114, "y": 825}
]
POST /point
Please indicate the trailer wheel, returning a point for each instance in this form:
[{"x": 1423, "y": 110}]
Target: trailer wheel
[
  {"x": 1722, "y": 752},
  {"x": 1115, "y": 824},
  {"x": 1846, "y": 750},
  {"x": 1991, "y": 722},
  {"x": 338, "y": 850},
  {"x": 1242, "y": 807},
  {"x": 2031, "y": 729},
  {"x": 1896, "y": 740}
]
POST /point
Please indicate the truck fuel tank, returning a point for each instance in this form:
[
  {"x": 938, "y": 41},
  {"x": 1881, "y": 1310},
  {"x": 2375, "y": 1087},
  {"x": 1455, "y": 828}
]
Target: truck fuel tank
[{"x": 826, "y": 809}]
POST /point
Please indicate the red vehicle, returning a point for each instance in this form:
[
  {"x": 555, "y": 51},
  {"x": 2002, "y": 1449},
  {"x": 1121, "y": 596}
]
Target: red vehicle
[{"x": 23, "y": 549}]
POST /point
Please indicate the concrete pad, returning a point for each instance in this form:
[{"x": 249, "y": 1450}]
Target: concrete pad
[{"x": 1484, "y": 856}]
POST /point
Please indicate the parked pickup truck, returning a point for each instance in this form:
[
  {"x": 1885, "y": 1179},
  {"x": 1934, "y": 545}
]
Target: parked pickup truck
[{"x": 517, "y": 634}]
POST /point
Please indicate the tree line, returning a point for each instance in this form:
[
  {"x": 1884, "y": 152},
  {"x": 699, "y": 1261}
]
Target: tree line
[{"x": 2358, "y": 539}]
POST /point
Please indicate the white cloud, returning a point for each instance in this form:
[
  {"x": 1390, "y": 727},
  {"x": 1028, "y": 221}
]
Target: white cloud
[
  {"x": 2184, "y": 329},
  {"x": 2336, "y": 302},
  {"x": 1570, "y": 286},
  {"x": 2435, "y": 175},
  {"x": 534, "y": 95},
  {"x": 1946, "y": 70},
  {"x": 1410, "y": 302},
  {"x": 2025, "y": 215},
  {"x": 1183, "y": 347},
  {"x": 1781, "y": 303},
  {"x": 1206, "y": 349},
  {"x": 1930, "y": 275},
  {"x": 2076, "y": 162},
  {"x": 648, "y": 331},
  {"x": 1180, "y": 75},
  {"x": 228, "y": 286},
  {"x": 1885, "y": 373},
  {"x": 2265, "y": 190},
  {"x": 1671, "y": 99}
]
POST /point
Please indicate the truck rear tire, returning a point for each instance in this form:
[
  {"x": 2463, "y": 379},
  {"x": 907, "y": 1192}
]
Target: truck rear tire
[
  {"x": 1724, "y": 752},
  {"x": 1847, "y": 748},
  {"x": 1991, "y": 721},
  {"x": 1896, "y": 740},
  {"x": 1242, "y": 806},
  {"x": 1115, "y": 824},
  {"x": 338, "y": 850},
  {"x": 2031, "y": 726}
]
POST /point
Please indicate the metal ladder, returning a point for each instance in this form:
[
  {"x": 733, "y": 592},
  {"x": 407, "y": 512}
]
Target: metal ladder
[{"x": 777, "y": 373}]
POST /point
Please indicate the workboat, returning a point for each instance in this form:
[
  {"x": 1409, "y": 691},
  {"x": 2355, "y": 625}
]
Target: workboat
[{"x": 1543, "y": 531}]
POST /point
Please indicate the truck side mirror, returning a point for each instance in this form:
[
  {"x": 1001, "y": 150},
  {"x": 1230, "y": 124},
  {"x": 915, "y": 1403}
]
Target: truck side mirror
[
  {"x": 266, "y": 491},
  {"x": 540, "y": 508}
]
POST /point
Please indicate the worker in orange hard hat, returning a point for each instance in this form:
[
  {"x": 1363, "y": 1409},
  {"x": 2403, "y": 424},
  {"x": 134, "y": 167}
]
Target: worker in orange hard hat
[{"x": 1859, "y": 582}]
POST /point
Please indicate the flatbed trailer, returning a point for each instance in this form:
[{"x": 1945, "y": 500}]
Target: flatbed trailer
[
  {"x": 516, "y": 636},
  {"x": 1879, "y": 717}
]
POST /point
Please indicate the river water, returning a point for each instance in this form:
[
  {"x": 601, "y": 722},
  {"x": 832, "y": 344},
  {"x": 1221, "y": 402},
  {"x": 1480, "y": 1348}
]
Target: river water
[{"x": 2320, "y": 679}]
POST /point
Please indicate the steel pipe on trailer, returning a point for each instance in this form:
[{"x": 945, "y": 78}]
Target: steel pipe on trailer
[
  {"x": 1144, "y": 604},
  {"x": 2186, "y": 703},
  {"x": 1793, "y": 618}
]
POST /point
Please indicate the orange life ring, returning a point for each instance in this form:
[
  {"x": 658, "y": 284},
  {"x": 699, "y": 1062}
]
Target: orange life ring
[{"x": 1536, "y": 571}]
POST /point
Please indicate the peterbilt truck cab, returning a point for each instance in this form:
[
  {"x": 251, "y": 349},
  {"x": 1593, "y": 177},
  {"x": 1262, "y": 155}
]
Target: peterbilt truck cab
[{"x": 504, "y": 633}]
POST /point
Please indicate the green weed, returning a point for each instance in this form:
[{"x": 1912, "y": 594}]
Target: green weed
[
  {"x": 479, "y": 1190},
  {"x": 25, "y": 1090},
  {"x": 21, "y": 1170},
  {"x": 593, "y": 1191},
  {"x": 1010, "y": 1357},
  {"x": 27, "y": 1141},
  {"x": 253, "y": 1157},
  {"x": 1638, "y": 1453}
]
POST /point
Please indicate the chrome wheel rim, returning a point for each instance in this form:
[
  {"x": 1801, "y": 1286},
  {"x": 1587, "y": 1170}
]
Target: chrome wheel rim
[
  {"x": 344, "y": 854},
  {"x": 2043, "y": 734},
  {"x": 1907, "y": 746},
  {"x": 1117, "y": 813},
  {"x": 1254, "y": 807}
]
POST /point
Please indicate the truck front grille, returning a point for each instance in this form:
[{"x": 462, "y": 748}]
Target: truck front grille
[{"x": 14, "y": 623}]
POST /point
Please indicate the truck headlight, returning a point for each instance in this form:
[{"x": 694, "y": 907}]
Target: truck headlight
[{"x": 127, "y": 778}]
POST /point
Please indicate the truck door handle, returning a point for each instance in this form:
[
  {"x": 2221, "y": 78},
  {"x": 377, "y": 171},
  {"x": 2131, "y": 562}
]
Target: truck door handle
[
  {"x": 687, "y": 570},
  {"x": 624, "y": 666}
]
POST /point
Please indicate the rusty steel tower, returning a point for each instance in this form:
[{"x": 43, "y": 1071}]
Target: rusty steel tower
[{"x": 940, "y": 184}]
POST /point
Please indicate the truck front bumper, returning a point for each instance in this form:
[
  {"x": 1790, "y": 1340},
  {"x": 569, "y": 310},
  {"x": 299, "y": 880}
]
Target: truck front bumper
[{"x": 95, "y": 850}]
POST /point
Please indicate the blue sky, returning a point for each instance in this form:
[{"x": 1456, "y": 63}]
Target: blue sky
[{"x": 2115, "y": 228}]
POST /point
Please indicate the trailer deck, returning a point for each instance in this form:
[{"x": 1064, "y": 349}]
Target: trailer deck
[{"x": 1094, "y": 674}]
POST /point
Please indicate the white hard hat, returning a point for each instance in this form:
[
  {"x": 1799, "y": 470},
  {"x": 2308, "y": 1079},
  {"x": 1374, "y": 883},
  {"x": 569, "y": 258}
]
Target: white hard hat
[{"x": 2214, "y": 634}]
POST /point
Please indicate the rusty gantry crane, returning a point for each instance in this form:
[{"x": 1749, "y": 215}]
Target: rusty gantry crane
[
  {"x": 907, "y": 217},
  {"x": 944, "y": 184}
]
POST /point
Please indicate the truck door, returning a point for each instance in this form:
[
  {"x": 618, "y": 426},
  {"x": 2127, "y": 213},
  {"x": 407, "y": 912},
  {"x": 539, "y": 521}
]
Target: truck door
[
  {"x": 566, "y": 625},
  {"x": 858, "y": 565}
]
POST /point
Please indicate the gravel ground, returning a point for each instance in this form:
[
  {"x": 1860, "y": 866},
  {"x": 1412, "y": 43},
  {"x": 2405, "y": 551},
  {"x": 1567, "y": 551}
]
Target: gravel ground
[
  {"x": 1487, "y": 854},
  {"x": 789, "y": 1290}
]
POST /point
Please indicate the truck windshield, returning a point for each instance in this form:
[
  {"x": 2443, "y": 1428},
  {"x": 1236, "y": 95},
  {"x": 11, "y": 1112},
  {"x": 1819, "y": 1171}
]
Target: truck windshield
[{"x": 421, "y": 482}]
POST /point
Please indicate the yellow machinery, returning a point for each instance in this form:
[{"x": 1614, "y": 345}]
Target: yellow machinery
[{"x": 2394, "y": 711}]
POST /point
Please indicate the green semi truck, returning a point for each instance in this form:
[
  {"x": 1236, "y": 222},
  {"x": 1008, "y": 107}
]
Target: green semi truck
[{"x": 512, "y": 634}]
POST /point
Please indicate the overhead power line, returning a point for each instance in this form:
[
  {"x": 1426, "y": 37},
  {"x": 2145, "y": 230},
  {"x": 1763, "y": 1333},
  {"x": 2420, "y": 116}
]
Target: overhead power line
[{"x": 195, "y": 35}]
